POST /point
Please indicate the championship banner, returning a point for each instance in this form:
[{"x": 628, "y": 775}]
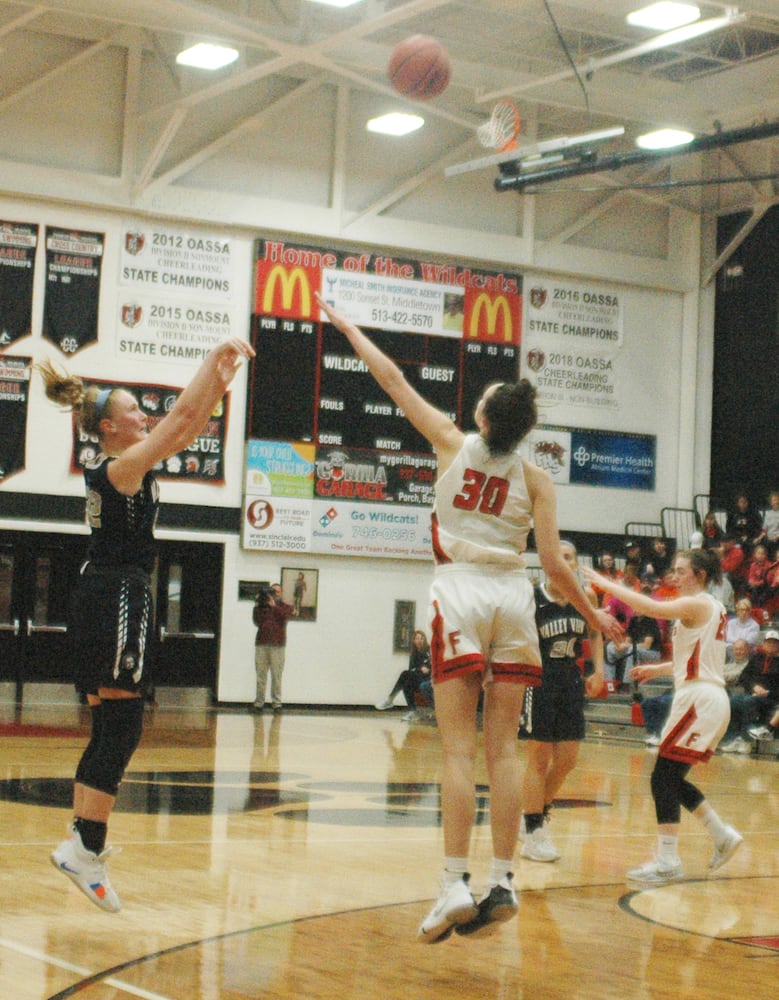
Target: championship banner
[
  {"x": 14, "y": 399},
  {"x": 18, "y": 242},
  {"x": 594, "y": 457},
  {"x": 72, "y": 296},
  {"x": 202, "y": 461},
  {"x": 570, "y": 350},
  {"x": 176, "y": 287}
]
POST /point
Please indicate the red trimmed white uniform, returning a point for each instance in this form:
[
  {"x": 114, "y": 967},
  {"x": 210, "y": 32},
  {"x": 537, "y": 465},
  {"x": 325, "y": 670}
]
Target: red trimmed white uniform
[
  {"x": 700, "y": 710},
  {"x": 482, "y": 612}
]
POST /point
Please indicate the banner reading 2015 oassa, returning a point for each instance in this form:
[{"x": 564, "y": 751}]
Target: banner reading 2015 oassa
[{"x": 451, "y": 329}]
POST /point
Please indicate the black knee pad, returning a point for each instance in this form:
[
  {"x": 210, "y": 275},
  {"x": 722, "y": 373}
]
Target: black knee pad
[
  {"x": 96, "y": 715},
  {"x": 666, "y": 784},
  {"x": 122, "y": 726}
]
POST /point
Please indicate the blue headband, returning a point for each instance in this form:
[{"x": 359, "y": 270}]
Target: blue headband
[{"x": 102, "y": 399}]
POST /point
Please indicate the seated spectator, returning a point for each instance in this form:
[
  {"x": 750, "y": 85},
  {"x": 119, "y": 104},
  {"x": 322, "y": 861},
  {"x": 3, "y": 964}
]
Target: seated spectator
[
  {"x": 665, "y": 589},
  {"x": 732, "y": 559},
  {"x": 743, "y": 626},
  {"x": 759, "y": 703},
  {"x": 745, "y": 522},
  {"x": 769, "y": 532},
  {"x": 758, "y": 566},
  {"x": 723, "y": 591},
  {"x": 608, "y": 567},
  {"x": 621, "y": 611},
  {"x": 411, "y": 679},
  {"x": 657, "y": 562},
  {"x": 641, "y": 643},
  {"x": 732, "y": 741},
  {"x": 633, "y": 551},
  {"x": 711, "y": 531}
]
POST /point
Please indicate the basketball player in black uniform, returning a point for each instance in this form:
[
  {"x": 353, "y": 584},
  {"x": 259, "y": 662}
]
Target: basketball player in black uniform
[
  {"x": 552, "y": 721},
  {"x": 111, "y": 618}
]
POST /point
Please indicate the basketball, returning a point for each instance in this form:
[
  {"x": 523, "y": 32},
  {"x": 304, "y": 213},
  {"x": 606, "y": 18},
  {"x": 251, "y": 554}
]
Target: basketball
[{"x": 419, "y": 67}]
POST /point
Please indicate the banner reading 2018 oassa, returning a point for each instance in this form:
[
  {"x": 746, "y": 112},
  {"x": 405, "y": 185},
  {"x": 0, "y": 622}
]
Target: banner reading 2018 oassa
[{"x": 333, "y": 466}]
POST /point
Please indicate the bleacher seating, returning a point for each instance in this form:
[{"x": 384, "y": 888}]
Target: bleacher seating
[{"x": 679, "y": 523}]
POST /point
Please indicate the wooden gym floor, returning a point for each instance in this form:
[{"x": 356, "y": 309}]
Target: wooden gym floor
[{"x": 293, "y": 856}]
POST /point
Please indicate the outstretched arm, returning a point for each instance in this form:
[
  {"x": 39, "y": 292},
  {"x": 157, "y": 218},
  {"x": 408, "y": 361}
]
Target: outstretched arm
[
  {"x": 431, "y": 423},
  {"x": 542, "y": 496},
  {"x": 691, "y": 611},
  {"x": 185, "y": 421}
]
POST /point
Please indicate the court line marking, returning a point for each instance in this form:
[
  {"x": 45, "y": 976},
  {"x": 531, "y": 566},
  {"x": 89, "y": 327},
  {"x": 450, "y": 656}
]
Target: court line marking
[{"x": 86, "y": 974}]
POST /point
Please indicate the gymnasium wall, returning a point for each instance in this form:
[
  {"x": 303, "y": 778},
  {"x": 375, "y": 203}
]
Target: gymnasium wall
[{"x": 346, "y": 656}]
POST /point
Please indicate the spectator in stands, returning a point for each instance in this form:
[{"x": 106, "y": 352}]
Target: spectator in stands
[
  {"x": 733, "y": 741},
  {"x": 658, "y": 560},
  {"x": 619, "y": 609},
  {"x": 607, "y": 566},
  {"x": 743, "y": 626},
  {"x": 758, "y": 567},
  {"x": 745, "y": 522},
  {"x": 760, "y": 681},
  {"x": 641, "y": 643},
  {"x": 633, "y": 551},
  {"x": 732, "y": 561},
  {"x": 769, "y": 532},
  {"x": 723, "y": 591},
  {"x": 711, "y": 530}
]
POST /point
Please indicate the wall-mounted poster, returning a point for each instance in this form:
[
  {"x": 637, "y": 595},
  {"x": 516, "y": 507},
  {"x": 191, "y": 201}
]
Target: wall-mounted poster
[
  {"x": 18, "y": 242},
  {"x": 202, "y": 461},
  {"x": 300, "y": 588},
  {"x": 403, "y": 626},
  {"x": 72, "y": 298},
  {"x": 14, "y": 402}
]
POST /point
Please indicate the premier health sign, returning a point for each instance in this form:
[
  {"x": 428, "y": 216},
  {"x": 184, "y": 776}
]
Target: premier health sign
[{"x": 595, "y": 458}]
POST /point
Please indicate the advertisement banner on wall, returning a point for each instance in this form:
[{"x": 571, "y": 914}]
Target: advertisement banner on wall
[
  {"x": 18, "y": 242},
  {"x": 594, "y": 457}
]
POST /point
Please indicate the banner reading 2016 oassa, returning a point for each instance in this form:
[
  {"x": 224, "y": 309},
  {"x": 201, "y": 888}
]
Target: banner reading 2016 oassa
[{"x": 333, "y": 465}]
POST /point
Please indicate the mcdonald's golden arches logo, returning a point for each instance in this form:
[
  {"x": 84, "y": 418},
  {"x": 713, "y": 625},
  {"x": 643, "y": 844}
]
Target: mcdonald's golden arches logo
[
  {"x": 492, "y": 317},
  {"x": 283, "y": 291}
]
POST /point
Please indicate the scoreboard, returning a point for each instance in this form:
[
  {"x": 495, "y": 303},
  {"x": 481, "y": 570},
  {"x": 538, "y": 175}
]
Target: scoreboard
[{"x": 450, "y": 329}]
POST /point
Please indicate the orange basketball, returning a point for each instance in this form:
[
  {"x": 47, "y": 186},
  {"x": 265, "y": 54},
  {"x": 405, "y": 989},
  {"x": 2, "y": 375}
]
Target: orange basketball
[{"x": 419, "y": 67}]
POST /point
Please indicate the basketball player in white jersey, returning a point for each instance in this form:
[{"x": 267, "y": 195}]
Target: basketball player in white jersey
[
  {"x": 700, "y": 710},
  {"x": 481, "y": 619}
]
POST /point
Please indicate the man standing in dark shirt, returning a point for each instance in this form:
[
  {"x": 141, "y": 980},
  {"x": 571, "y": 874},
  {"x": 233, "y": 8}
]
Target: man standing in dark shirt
[{"x": 270, "y": 615}]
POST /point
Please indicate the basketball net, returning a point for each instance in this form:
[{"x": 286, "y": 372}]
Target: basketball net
[{"x": 501, "y": 131}]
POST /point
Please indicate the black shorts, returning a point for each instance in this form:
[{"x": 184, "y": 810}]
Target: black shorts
[
  {"x": 111, "y": 630},
  {"x": 554, "y": 711}
]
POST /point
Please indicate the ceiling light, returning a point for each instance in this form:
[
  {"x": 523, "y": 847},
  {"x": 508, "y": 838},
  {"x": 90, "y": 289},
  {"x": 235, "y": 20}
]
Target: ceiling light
[
  {"x": 207, "y": 56},
  {"x": 664, "y": 16},
  {"x": 664, "y": 138},
  {"x": 395, "y": 123},
  {"x": 336, "y": 3}
]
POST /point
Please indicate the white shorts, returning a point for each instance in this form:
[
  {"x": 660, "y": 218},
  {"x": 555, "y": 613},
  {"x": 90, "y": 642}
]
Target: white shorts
[
  {"x": 699, "y": 716},
  {"x": 483, "y": 619}
]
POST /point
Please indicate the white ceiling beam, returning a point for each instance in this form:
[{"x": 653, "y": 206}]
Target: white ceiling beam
[
  {"x": 250, "y": 124},
  {"x": 63, "y": 68}
]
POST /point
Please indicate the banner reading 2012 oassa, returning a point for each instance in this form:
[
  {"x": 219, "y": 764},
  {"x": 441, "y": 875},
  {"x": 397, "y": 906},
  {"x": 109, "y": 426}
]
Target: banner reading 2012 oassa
[{"x": 595, "y": 458}]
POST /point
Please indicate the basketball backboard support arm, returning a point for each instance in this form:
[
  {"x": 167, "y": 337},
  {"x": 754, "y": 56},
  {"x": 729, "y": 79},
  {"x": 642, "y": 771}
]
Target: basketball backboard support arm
[
  {"x": 718, "y": 140},
  {"x": 535, "y": 151}
]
